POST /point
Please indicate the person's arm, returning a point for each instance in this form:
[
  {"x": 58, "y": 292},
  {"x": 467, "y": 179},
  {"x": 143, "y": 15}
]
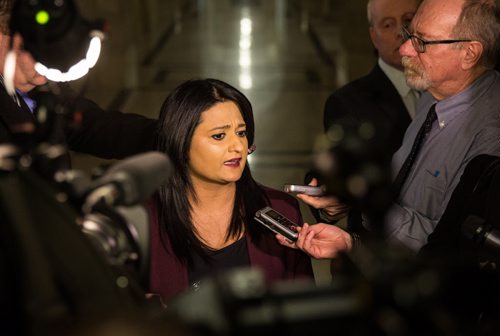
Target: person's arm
[
  {"x": 407, "y": 226},
  {"x": 109, "y": 134},
  {"x": 320, "y": 241}
]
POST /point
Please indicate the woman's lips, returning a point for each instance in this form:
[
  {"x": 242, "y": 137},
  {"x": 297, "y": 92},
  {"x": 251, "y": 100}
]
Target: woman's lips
[{"x": 232, "y": 163}]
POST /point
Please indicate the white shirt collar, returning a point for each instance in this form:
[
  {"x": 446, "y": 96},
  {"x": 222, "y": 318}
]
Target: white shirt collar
[{"x": 397, "y": 77}]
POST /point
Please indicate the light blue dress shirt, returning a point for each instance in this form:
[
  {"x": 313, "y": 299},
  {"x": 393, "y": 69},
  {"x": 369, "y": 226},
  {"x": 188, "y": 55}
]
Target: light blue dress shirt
[{"x": 468, "y": 125}]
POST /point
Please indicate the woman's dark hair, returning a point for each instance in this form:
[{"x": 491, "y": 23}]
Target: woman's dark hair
[{"x": 179, "y": 116}]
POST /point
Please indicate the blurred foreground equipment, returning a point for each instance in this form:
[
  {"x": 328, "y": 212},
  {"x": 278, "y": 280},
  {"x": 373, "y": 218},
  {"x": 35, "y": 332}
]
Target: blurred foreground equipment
[{"x": 53, "y": 276}]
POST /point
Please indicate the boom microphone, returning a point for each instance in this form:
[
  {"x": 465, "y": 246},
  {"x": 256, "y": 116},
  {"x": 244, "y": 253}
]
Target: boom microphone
[
  {"x": 130, "y": 181},
  {"x": 483, "y": 235}
]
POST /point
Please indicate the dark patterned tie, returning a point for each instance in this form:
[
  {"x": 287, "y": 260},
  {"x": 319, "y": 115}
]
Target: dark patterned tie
[{"x": 400, "y": 179}]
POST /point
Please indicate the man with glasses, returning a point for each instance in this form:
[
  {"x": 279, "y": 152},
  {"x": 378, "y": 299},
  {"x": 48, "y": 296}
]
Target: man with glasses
[
  {"x": 381, "y": 98},
  {"x": 450, "y": 52},
  {"x": 419, "y": 43}
]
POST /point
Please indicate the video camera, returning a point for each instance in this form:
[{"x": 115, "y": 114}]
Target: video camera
[{"x": 75, "y": 249}]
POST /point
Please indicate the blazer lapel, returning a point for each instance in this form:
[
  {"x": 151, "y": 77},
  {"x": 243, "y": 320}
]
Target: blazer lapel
[
  {"x": 11, "y": 114},
  {"x": 387, "y": 97}
]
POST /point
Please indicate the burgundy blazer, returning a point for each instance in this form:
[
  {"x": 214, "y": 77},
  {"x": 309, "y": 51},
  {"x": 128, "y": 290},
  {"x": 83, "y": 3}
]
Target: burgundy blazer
[{"x": 169, "y": 277}]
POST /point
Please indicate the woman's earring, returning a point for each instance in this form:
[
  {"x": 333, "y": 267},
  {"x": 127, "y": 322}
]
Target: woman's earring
[{"x": 251, "y": 149}]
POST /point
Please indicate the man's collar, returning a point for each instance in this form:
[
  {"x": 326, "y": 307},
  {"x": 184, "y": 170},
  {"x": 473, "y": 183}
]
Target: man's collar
[{"x": 396, "y": 76}]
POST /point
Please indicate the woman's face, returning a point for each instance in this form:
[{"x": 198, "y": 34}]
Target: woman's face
[{"x": 219, "y": 146}]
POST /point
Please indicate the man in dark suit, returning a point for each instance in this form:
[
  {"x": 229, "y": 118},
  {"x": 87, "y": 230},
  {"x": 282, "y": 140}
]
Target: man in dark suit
[
  {"x": 372, "y": 98},
  {"x": 381, "y": 99}
]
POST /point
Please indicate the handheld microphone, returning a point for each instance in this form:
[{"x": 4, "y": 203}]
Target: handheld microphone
[
  {"x": 483, "y": 235},
  {"x": 130, "y": 181}
]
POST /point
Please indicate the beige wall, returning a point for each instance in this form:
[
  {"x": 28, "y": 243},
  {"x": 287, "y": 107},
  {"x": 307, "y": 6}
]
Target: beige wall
[
  {"x": 135, "y": 26},
  {"x": 350, "y": 18},
  {"x": 134, "y": 29}
]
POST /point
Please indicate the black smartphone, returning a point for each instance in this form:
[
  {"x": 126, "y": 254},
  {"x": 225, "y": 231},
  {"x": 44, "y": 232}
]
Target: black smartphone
[
  {"x": 304, "y": 189},
  {"x": 277, "y": 223}
]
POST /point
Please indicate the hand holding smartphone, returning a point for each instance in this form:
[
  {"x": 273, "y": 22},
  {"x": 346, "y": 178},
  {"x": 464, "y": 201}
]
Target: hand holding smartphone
[
  {"x": 304, "y": 189},
  {"x": 277, "y": 223}
]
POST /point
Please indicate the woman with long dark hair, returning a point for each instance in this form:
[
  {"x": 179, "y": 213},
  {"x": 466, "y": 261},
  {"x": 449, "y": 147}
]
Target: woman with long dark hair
[{"x": 203, "y": 217}]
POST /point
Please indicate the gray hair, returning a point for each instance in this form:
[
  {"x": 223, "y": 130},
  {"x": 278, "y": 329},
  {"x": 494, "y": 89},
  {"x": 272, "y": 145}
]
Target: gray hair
[
  {"x": 480, "y": 21},
  {"x": 369, "y": 12}
]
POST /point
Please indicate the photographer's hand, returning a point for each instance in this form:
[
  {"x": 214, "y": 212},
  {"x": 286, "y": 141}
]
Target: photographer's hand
[{"x": 25, "y": 78}]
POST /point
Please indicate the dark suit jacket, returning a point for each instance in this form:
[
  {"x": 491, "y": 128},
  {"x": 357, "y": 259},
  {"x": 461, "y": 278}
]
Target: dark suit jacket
[
  {"x": 475, "y": 290},
  {"x": 168, "y": 276},
  {"x": 12, "y": 116},
  {"x": 90, "y": 129},
  {"x": 371, "y": 98},
  {"x": 110, "y": 134}
]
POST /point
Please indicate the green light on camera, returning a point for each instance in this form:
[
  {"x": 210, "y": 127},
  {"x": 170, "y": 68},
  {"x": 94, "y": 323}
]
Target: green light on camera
[{"x": 42, "y": 17}]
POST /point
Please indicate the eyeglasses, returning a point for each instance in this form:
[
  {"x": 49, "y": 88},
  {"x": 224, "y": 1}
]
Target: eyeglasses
[{"x": 419, "y": 43}]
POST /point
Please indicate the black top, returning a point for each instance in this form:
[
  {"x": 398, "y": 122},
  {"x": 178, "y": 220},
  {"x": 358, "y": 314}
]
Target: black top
[{"x": 231, "y": 256}]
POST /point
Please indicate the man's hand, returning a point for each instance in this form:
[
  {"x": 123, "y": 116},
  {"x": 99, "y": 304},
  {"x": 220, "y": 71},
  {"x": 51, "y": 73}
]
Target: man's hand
[
  {"x": 329, "y": 204},
  {"x": 320, "y": 241},
  {"x": 25, "y": 77}
]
